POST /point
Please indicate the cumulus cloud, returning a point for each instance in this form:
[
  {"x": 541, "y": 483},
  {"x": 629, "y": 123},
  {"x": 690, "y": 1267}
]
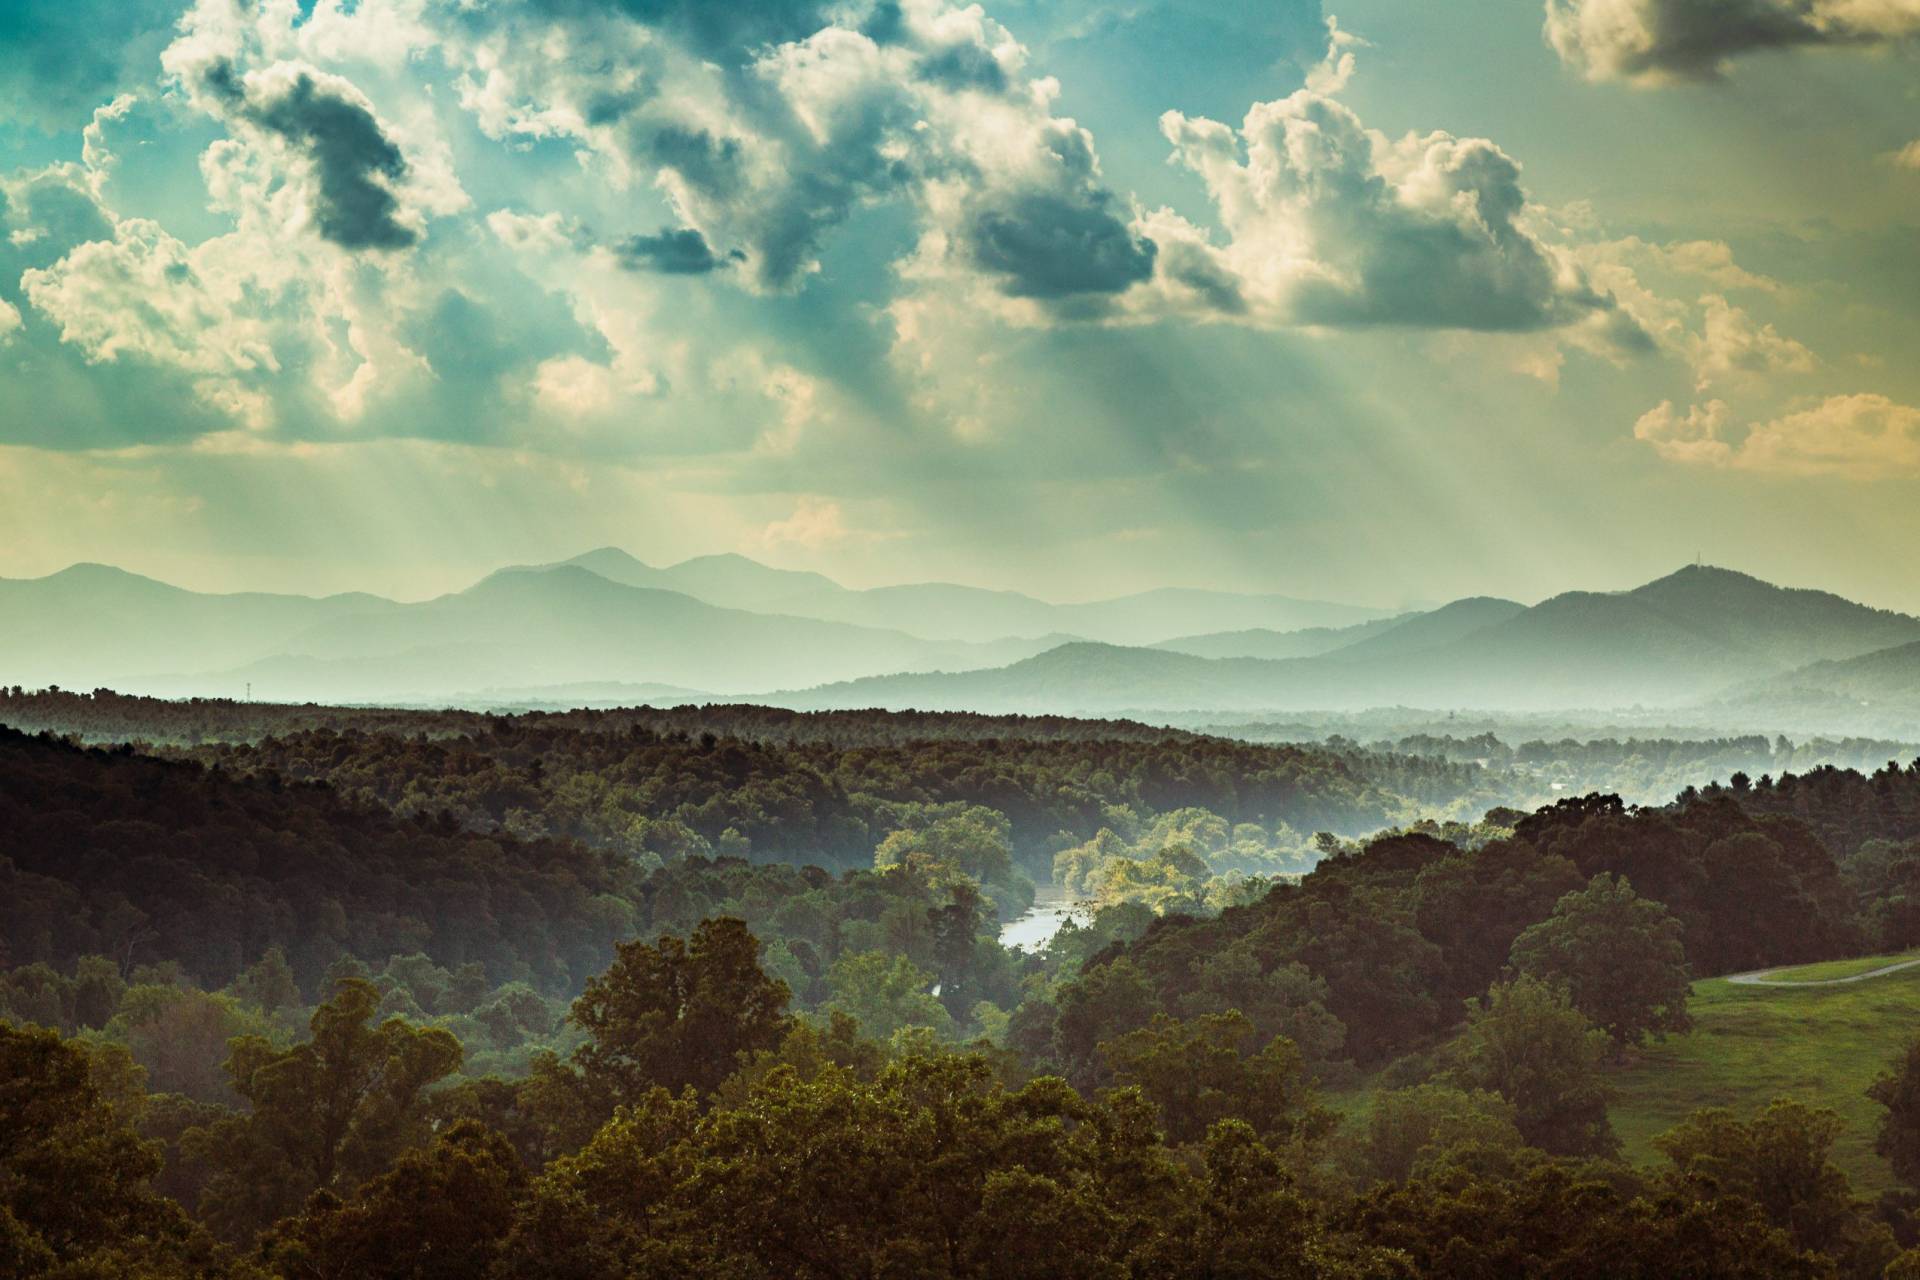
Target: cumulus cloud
[
  {"x": 1860, "y": 437},
  {"x": 765, "y": 129},
  {"x": 1693, "y": 437},
  {"x": 1330, "y": 223},
  {"x": 10, "y": 321},
  {"x": 1731, "y": 343},
  {"x": 355, "y": 165},
  {"x": 143, "y": 294},
  {"x": 1654, "y": 40},
  {"x": 316, "y": 131},
  {"x": 1709, "y": 260}
]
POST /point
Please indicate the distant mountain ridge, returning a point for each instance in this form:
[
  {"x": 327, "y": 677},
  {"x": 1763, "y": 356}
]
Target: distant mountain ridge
[
  {"x": 1261, "y": 642},
  {"x": 948, "y": 611},
  {"x": 90, "y": 621},
  {"x": 1675, "y": 641},
  {"x": 1698, "y": 637},
  {"x": 533, "y": 628}
]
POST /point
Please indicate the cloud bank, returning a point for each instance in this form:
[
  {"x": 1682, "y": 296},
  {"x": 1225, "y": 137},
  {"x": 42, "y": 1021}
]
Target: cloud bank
[
  {"x": 1859, "y": 437},
  {"x": 1655, "y": 40}
]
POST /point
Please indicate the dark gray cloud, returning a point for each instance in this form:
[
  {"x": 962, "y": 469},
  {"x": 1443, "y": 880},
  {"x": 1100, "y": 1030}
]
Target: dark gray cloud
[
  {"x": 1048, "y": 246},
  {"x": 964, "y": 66},
  {"x": 673, "y": 251},
  {"x": 711, "y": 165},
  {"x": 1695, "y": 39},
  {"x": 355, "y": 163}
]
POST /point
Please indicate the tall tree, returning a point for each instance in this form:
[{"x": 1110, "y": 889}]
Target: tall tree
[
  {"x": 678, "y": 1013},
  {"x": 328, "y": 1113},
  {"x": 1199, "y": 1071},
  {"x": 1528, "y": 1044},
  {"x": 1621, "y": 958}
]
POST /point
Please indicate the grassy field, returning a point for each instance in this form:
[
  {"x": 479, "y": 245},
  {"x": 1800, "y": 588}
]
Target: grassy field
[
  {"x": 1832, "y": 970},
  {"x": 1749, "y": 1044}
]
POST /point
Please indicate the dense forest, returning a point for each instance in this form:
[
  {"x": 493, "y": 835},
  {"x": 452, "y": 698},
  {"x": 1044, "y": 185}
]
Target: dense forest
[{"x": 353, "y": 998}]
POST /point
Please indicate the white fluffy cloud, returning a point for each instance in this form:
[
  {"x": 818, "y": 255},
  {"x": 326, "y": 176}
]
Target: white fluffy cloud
[
  {"x": 1693, "y": 437},
  {"x": 1653, "y": 40},
  {"x": 1861, "y": 437},
  {"x": 1330, "y": 223},
  {"x": 1730, "y": 343},
  {"x": 144, "y": 294}
]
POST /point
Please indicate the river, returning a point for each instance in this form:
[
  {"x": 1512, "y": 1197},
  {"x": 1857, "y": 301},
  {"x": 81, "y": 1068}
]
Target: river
[{"x": 1052, "y": 908}]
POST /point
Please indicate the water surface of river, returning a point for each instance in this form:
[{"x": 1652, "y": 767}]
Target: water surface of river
[{"x": 1052, "y": 907}]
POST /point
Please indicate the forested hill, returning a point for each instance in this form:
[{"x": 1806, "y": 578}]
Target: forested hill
[
  {"x": 1847, "y": 808},
  {"x": 1392, "y": 938},
  {"x": 651, "y": 794},
  {"x": 112, "y": 852},
  {"x": 104, "y": 716}
]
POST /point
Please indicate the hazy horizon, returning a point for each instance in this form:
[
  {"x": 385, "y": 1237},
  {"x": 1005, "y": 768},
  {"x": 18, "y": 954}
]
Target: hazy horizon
[
  {"x": 457, "y": 583},
  {"x": 1074, "y": 298}
]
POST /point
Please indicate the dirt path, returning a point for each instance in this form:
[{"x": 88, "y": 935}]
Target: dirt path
[{"x": 1758, "y": 978}]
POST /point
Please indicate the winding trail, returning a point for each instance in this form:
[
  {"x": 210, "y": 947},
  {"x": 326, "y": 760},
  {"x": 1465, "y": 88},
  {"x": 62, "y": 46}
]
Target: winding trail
[{"x": 1758, "y": 978}]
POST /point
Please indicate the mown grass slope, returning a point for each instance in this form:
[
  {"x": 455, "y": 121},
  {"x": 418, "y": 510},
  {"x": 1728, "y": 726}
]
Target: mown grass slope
[{"x": 1749, "y": 1044}]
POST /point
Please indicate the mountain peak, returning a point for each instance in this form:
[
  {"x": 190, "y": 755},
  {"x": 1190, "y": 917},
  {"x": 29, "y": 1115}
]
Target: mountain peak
[
  {"x": 88, "y": 575},
  {"x": 607, "y": 556},
  {"x": 1698, "y": 573}
]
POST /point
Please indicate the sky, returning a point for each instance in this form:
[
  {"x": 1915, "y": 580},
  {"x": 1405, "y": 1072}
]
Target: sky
[{"x": 1372, "y": 301}]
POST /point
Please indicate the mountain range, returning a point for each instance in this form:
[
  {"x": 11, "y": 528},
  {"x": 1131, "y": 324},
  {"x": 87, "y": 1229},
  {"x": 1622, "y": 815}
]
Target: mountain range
[
  {"x": 1691, "y": 637},
  {"x": 723, "y": 624},
  {"x": 606, "y": 627},
  {"x": 946, "y": 611}
]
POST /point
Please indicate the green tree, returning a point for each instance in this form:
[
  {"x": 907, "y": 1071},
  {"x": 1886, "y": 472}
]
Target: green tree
[
  {"x": 1247, "y": 1220},
  {"x": 885, "y": 994},
  {"x": 75, "y": 1194},
  {"x": 1409, "y": 1132},
  {"x": 181, "y": 1036},
  {"x": 326, "y": 1113},
  {"x": 1526, "y": 1042},
  {"x": 959, "y": 843},
  {"x": 1211, "y": 1068},
  {"x": 1780, "y": 1158},
  {"x": 677, "y": 1013},
  {"x": 439, "y": 1214},
  {"x": 1621, "y": 958},
  {"x": 268, "y": 983},
  {"x": 1899, "y": 1092}
]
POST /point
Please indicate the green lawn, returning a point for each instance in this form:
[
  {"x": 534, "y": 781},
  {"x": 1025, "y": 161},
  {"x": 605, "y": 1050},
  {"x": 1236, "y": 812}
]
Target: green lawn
[{"x": 1824, "y": 1045}]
